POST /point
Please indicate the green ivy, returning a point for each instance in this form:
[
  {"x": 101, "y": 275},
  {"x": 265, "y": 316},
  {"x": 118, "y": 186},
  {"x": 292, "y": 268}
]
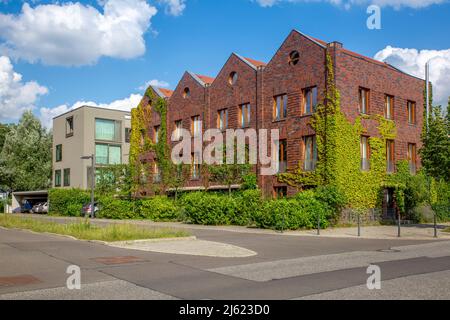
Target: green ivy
[{"x": 338, "y": 149}]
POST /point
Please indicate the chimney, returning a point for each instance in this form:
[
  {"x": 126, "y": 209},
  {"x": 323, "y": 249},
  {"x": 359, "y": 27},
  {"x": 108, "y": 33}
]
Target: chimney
[{"x": 336, "y": 44}]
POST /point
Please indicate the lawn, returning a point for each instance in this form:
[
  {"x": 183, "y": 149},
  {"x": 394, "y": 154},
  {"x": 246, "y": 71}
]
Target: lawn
[
  {"x": 447, "y": 229},
  {"x": 84, "y": 230}
]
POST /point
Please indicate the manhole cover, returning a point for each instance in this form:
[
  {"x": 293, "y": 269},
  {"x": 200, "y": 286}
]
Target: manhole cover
[
  {"x": 18, "y": 280},
  {"x": 389, "y": 251},
  {"x": 117, "y": 260}
]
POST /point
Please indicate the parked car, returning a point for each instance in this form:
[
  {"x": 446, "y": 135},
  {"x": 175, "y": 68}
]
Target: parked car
[
  {"x": 41, "y": 207},
  {"x": 86, "y": 210},
  {"x": 25, "y": 207},
  {"x": 36, "y": 207}
]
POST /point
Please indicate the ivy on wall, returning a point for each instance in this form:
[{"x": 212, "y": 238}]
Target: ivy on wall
[{"x": 339, "y": 154}]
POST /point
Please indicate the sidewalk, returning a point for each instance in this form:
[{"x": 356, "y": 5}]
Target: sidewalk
[{"x": 408, "y": 232}]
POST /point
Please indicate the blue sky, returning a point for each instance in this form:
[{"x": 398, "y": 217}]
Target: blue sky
[{"x": 167, "y": 37}]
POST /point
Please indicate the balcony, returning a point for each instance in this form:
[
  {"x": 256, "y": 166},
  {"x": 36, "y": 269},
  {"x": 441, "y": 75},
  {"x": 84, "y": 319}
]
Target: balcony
[
  {"x": 310, "y": 165},
  {"x": 365, "y": 165},
  {"x": 412, "y": 168},
  {"x": 390, "y": 167},
  {"x": 282, "y": 167}
]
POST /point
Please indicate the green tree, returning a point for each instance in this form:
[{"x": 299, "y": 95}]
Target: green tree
[
  {"x": 179, "y": 175},
  {"x": 229, "y": 174},
  {"x": 435, "y": 152},
  {"x": 26, "y": 156}
]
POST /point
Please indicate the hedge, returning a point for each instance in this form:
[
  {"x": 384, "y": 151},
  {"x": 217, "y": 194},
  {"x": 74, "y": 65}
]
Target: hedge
[
  {"x": 67, "y": 202},
  {"x": 158, "y": 209},
  {"x": 245, "y": 208}
]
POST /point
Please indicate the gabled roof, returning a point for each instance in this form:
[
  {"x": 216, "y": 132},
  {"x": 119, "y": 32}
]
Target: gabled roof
[
  {"x": 357, "y": 55},
  {"x": 166, "y": 92},
  {"x": 251, "y": 62},
  {"x": 203, "y": 80}
]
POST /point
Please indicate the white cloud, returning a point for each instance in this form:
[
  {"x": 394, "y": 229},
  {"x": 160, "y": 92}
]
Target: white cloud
[
  {"x": 413, "y": 61},
  {"x": 16, "y": 96},
  {"x": 174, "y": 7},
  {"x": 76, "y": 34},
  {"x": 155, "y": 83},
  {"x": 397, "y": 4},
  {"x": 47, "y": 114}
]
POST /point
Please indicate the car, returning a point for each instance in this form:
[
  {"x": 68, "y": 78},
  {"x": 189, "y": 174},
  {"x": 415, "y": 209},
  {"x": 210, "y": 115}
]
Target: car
[
  {"x": 86, "y": 210},
  {"x": 44, "y": 208},
  {"x": 25, "y": 207},
  {"x": 36, "y": 207}
]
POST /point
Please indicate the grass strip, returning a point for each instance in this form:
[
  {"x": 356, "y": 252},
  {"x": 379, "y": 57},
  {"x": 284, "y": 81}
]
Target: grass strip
[{"x": 84, "y": 230}]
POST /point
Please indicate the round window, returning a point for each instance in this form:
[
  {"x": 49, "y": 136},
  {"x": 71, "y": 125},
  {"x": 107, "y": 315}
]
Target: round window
[
  {"x": 186, "y": 93},
  {"x": 294, "y": 58},
  {"x": 233, "y": 78}
]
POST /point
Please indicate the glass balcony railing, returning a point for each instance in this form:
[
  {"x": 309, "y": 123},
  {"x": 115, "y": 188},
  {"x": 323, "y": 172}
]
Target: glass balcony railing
[
  {"x": 282, "y": 167},
  {"x": 390, "y": 167},
  {"x": 310, "y": 165},
  {"x": 365, "y": 164}
]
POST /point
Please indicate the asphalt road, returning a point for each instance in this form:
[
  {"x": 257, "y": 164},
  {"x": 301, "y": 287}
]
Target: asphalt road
[{"x": 33, "y": 266}]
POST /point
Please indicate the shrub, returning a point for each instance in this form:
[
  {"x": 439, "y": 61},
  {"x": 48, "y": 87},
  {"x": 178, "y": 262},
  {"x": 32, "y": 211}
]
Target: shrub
[
  {"x": 333, "y": 197},
  {"x": 300, "y": 212},
  {"x": 158, "y": 209},
  {"x": 248, "y": 205},
  {"x": 208, "y": 209},
  {"x": 112, "y": 208},
  {"x": 67, "y": 202}
]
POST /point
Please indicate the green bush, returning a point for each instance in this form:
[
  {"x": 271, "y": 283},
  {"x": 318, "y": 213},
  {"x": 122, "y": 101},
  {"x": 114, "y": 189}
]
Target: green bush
[
  {"x": 248, "y": 205},
  {"x": 208, "y": 209},
  {"x": 441, "y": 203},
  {"x": 112, "y": 208},
  {"x": 67, "y": 202},
  {"x": 300, "y": 212},
  {"x": 158, "y": 209},
  {"x": 333, "y": 197}
]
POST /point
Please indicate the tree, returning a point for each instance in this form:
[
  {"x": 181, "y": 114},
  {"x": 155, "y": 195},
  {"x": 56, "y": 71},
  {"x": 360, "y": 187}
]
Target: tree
[
  {"x": 435, "y": 152},
  {"x": 4, "y": 130},
  {"x": 26, "y": 156},
  {"x": 179, "y": 175},
  {"x": 115, "y": 180},
  {"x": 229, "y": 174}
]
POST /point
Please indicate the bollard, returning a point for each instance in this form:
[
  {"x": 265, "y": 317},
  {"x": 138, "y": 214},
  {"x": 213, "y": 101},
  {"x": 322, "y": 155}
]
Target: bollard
[{"x": 359, "y": 225}]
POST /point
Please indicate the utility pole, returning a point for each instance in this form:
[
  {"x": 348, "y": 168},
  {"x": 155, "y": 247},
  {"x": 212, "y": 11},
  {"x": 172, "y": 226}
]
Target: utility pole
[{"x": 92, "y": 158}]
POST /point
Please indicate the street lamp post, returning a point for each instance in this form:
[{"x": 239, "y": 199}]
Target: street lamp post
[{"x": 92, "y": 158}]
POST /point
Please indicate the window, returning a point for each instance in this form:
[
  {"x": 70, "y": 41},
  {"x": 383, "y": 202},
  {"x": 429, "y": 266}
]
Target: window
[
  {"x": 282, "y": 156},
  {"x": 389, "y": 107},
  {"x": 279, "y": 192},
  {"x": 244, "y": 115},
  {"x": 107, "y": 130},
  {"x": 365, "y": 152},
  {"x": 294, "y": 58},
  {"x": 127, "y": 135},
  {"x": 309, "y": 100},
  {"x": 66, "y": 177},
  {"x": 156, "y": 172},
  {"x": 69, "y": 127},
  {"x": 57, "y": 178},
  {"x": 310, "y": 153},
  {"x": 156, "y": 134},
  {"x": 280, "y": 107},
  {"x": 364, "y": 101},
  {"x": 106, "y": 154},
  {"x": 186, "y": 93},
  {"x": 232, "y": 79},
  {"x": 196, "y": 126},
  {"x": 411, "y": 112},
  {"x": 178, "y": 128},
  {"x": 222, "y": 119},
  {"x": 58, "y": 156},
  {"x": 195, "y": 166},
  {"x": 412, "y": 157},
  {"x": 390, "y": 156}
]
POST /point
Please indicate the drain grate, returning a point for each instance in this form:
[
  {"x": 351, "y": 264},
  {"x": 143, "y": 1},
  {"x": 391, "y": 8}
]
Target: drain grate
[
  {"x": 21, "y": 280},
  {"x": 117, "y": 260}
]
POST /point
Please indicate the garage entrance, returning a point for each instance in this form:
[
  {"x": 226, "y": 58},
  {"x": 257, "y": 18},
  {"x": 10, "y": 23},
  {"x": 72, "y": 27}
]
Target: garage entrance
[{"x": 27, "y": 199}]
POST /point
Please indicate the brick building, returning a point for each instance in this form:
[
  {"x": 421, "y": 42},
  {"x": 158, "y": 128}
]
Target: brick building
[{"x": 282, "y": 94}]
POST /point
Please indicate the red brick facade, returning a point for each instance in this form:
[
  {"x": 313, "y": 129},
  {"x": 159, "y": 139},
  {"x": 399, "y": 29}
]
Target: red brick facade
[{"x": 257, "y": 84}]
